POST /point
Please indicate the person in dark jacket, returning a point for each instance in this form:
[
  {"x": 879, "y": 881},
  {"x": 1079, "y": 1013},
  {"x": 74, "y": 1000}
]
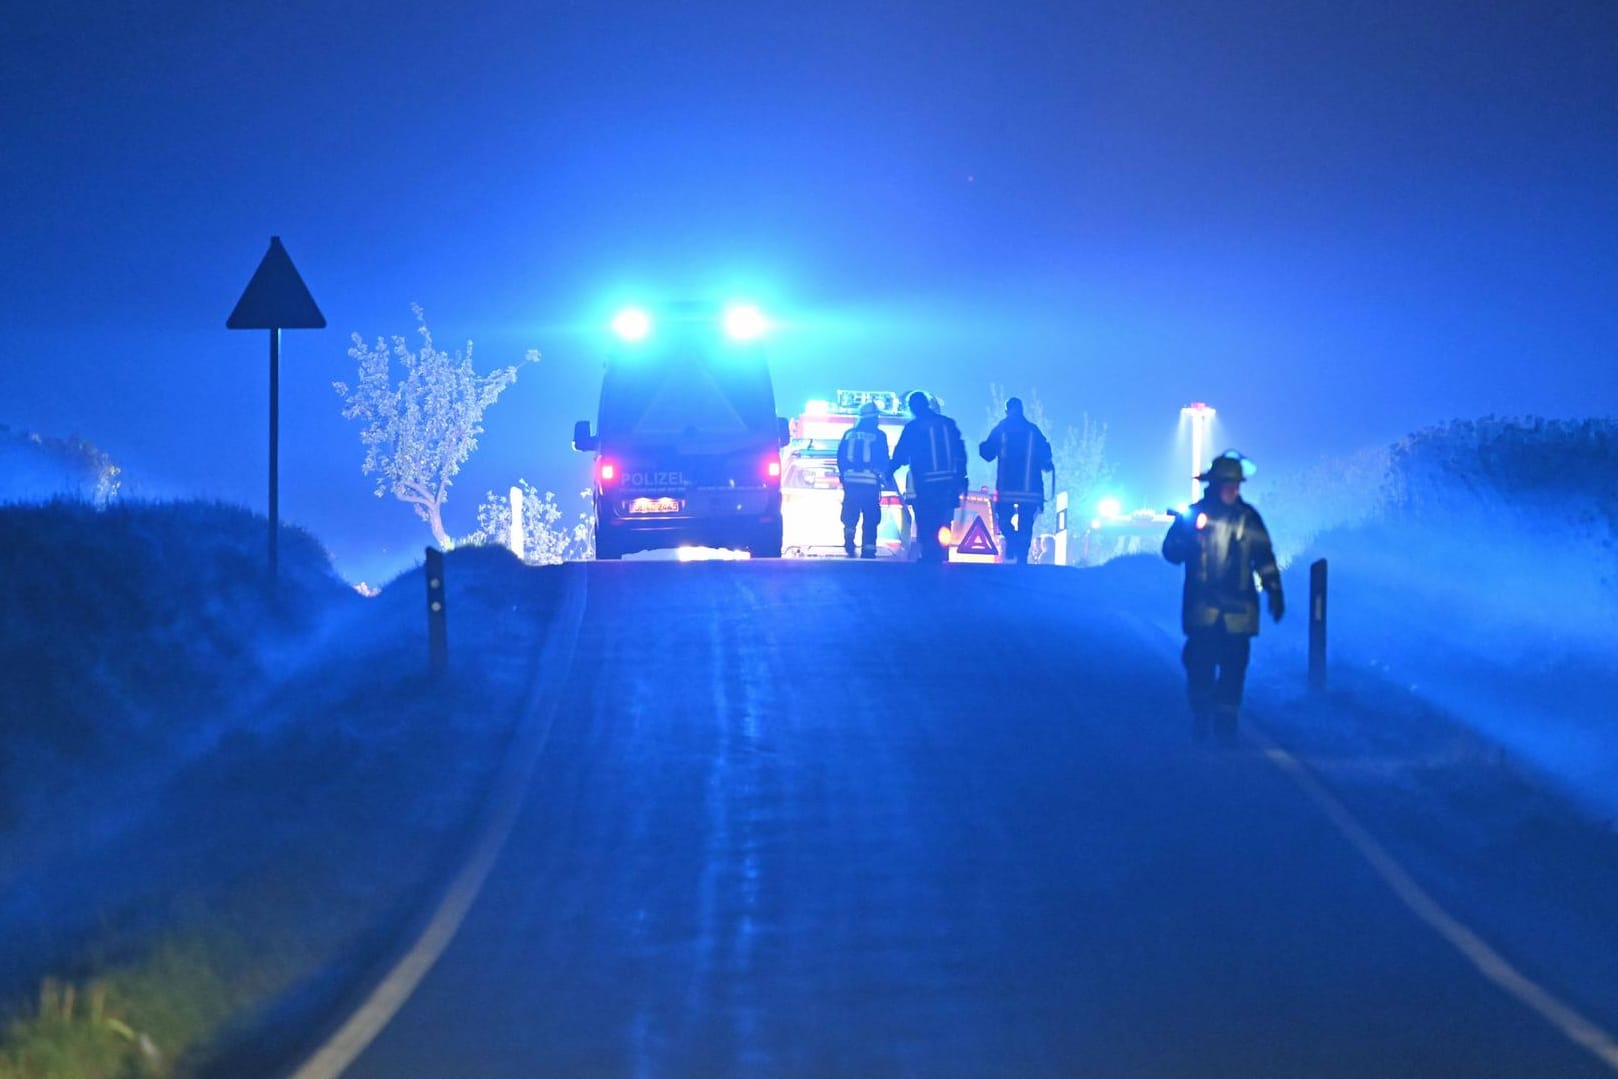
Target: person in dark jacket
[
  {"x": 1222, "y": 542},
  {"x": 863, "y": 469},
  {"x": 1024, "y": 456},
  {"x": 932, "y": 448}
]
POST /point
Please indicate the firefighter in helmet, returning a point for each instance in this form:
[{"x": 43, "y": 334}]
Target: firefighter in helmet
[
  {"x": 1024, "y": 456},
  {"x": 932, "y": 448},
  {"x": 1222, "y": 542},
  {"x": 863, "y": 470}
]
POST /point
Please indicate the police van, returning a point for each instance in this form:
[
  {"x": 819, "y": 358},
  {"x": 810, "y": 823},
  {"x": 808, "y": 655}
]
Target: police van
[{"x": 687, "y": 440}]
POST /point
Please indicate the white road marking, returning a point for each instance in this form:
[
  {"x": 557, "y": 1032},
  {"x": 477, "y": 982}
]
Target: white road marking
[
  {"x": 1490, "y": 963},
  {"x": 384, "y": 1002}
]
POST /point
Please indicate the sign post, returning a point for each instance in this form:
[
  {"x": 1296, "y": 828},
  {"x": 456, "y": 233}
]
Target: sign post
[{"x": 275, "y": 299}]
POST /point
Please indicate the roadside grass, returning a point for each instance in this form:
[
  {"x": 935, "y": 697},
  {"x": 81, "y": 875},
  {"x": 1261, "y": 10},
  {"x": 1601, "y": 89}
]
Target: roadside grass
[
  {"x": 335, "y": 788},
  {"x": 318, "y": 832},
  {"x": 137, "y": 1019}
]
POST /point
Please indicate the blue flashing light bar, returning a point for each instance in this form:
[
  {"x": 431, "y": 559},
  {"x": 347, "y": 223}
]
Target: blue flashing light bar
[
  {"x": 632, "y": 324},
  {"x": 745, "y": 322}
]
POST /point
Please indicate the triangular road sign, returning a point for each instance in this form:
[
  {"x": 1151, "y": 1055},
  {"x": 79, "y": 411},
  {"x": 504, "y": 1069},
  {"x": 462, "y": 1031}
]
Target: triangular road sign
[
  {"x": 977, "y": 540},
  {"x": 276, "y": 298}
]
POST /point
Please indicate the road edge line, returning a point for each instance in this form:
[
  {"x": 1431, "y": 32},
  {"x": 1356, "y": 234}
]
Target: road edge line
[
  {"x": 373, "y": 1014},
  {"x": 1490, "y": 963}
]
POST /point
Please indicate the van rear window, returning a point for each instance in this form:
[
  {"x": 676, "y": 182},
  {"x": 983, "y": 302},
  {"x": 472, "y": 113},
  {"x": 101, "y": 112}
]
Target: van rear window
[{"x": 686, "y": 399}]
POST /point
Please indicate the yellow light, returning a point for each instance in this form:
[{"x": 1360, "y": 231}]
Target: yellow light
[{"x": 945, "y": 535}]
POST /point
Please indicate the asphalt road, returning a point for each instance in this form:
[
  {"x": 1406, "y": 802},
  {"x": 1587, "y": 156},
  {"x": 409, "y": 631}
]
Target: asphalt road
[{"x": 862, "y": 819}]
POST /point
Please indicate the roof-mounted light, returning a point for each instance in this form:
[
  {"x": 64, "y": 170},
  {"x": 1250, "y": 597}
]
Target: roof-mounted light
[
  {"x": 744, "y": 322},
  {"x": 632, "y": 324}
]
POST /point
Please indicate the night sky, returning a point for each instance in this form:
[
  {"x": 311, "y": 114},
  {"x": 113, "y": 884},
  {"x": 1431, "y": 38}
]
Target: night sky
[{"x": 1337, "y": 222}]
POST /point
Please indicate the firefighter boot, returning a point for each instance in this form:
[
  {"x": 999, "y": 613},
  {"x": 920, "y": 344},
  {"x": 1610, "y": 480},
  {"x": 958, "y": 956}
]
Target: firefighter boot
[{"x": 848, "y": 541}]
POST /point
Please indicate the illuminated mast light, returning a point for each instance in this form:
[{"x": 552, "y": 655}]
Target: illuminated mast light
[{"x": 1201, "y": 417}]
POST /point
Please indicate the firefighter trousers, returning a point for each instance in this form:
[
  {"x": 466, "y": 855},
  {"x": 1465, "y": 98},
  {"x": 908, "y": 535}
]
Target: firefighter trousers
[
  {"x": 1016, "y": 523},
  {"x": 1216, "y": 670},
  {"x": 861, "y": 503},
  {"x": 935, "y": 511}
]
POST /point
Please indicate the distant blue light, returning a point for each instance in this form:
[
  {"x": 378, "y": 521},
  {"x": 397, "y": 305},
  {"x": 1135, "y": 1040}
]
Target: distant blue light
[
  {"x": 632, "y": 324},
  {"x": 744, "y": 322}
]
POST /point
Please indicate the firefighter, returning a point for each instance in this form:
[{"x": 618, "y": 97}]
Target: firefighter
[
  {"x": 1024, "y": 456},
  {"x": 863, "y": 470},
  {"x": 932, "y": 448},
  {"x": 1223, "y": 544}
]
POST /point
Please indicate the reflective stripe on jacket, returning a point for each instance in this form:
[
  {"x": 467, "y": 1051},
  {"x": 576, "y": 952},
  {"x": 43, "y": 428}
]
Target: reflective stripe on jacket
[
  {"x": 1023, "y": 455},
  {"x": 932, "y": 448},
  {"x": 1221, "y": 559},
  {"x": 862, "y": 457}
]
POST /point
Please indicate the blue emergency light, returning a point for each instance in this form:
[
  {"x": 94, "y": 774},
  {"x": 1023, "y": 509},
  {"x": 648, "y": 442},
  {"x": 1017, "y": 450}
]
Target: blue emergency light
[
  {"x": 745, "y": 322},
  {"x": 632, "y": 324}
]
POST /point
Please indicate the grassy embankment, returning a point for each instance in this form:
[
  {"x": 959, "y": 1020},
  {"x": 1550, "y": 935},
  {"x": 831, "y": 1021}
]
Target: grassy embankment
[{"x": 212, "y": 797}]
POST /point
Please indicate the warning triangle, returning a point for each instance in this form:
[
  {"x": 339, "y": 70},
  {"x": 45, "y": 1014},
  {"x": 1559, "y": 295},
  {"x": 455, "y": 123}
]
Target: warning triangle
[
  {"x": 977, "y": 540},
  {"x": 276, "y": 298}
]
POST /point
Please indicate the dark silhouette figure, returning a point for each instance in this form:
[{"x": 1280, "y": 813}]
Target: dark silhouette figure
[
  {"x": 1223, "y": 544},
  {"x": 863, "y": 468},
  {"x": 932, "y": 448},
  {"x": 1024, "y": 456}
]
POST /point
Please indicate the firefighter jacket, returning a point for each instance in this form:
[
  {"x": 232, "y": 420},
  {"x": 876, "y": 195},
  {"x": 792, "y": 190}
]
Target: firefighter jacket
[
  {"x": 862, "y": 458},
  {"x": 1023, "y": 455},
  {"x": 1222, "y": 548},
  {"x": 933, "y": 449}
]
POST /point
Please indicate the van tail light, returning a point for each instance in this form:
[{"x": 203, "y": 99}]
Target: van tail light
[
  {"x": 607, "y": 472},
  {"x": 772, "y": 469}
]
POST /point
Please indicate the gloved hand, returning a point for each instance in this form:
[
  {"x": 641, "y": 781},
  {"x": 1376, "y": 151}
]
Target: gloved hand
[{"x": 1278, "y": 605}]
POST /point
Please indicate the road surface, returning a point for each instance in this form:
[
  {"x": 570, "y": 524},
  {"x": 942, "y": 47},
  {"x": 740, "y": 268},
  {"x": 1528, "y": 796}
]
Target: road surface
[{"x": 869, "y": 819}]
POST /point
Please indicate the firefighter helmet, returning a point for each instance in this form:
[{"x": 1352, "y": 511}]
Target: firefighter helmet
[{"x": 1228, "y": 467}]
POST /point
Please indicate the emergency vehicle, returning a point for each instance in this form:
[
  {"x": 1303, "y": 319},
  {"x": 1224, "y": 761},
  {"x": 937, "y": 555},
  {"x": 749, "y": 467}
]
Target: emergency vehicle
[
  {"x": 687, "y": 440},
  {"x": 1113, "y": 533},
  {"x": 812, "y": 496}
]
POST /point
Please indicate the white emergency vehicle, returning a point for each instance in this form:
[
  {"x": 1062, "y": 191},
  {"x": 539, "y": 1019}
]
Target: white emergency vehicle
[{"x": 812, "y": 497}]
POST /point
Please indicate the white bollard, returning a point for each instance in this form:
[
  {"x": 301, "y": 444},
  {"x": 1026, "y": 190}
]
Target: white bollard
[
  {"x": 514, "y": 540},
  {"x": 1061, "y": 528}
]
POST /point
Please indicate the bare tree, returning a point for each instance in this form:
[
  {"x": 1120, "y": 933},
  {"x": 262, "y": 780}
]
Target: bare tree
[{"x": 420, "y": 430}]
